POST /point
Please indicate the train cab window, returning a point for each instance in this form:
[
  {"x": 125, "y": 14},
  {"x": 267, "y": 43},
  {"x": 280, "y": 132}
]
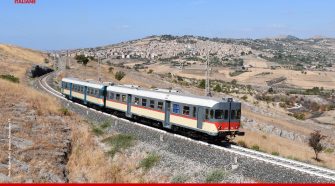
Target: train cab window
[
  {"x": 160, "y": 105},
  {"x": 186, "y": 110},
  {"x": 207, "y": 114},
  {"x": 194, "y": 112},
  {"x": 111, "y": 95},
  {"x": 136, "y": 101},
  {"x": 176, "y": 108},
  {"x": 144, "y": 102},
  {"x": 238, "y": 116},
  {"x": 124, "y": 98},
  {"x": 211, "y": 114},
  {"x": 226, "y": 114},
  {"x": 117, "y": 98},
  {"x": 152, "y": 103},
  {"x": 233, "y": 114},
  {"x": 218, "y": 114}
]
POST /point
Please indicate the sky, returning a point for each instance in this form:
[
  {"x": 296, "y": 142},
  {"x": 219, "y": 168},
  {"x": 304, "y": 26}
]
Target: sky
[{"x": 67, "y": 24}]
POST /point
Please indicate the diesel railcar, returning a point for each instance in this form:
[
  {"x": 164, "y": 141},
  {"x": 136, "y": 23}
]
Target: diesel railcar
[{"x": 219, "y": 119}]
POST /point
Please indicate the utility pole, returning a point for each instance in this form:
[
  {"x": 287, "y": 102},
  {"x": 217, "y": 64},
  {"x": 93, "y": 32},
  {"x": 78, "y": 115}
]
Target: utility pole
[
  {"x": 9, "y": 148},
  {"x": 99, "y": 69},
  {"x": 207, "y": 89}
]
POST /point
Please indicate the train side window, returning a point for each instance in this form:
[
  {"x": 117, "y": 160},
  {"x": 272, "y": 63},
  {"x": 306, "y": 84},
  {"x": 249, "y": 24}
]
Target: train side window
[
  {"x": 160, "y": 105},
  {"x": 152, "y": 103},
  {"x": 233, "y": 112},
  {"x": 226, "y": 114},
  {"x": 238, "y": 114},
  {"x": 175, "y": 108},
  {"x": 218, "y": 114},
  {"x": 186, "y": 110},
  {"x": 92, "y": 92},
  {"x": 212, "y": 114},
  {"x": 111, "y": 95},
  {"x": 144, "y": 102},
  {"x": 136, "y": 100},
  {"x": 117, "y": 97},
  {"x": 194, "y": 112},
  {"x": 207, "y": 114},
  {"x": 124, "y": 98}
]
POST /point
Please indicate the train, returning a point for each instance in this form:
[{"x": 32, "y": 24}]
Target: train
[{"x": 202, "y": 116}]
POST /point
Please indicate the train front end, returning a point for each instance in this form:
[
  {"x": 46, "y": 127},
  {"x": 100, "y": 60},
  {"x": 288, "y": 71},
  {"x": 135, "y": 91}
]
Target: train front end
[{"x": 227, "y": 118}]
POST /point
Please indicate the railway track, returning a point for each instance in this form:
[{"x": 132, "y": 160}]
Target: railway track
[{"x": 305, "y": 168}]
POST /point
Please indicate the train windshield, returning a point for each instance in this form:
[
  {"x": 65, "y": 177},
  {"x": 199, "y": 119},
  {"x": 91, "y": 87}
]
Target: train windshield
[{"x": 221, "y": 114}]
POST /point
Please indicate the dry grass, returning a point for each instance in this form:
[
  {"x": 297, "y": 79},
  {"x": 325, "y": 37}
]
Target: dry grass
[
  {"x": 90, "y": 163},
  {"x": 285, "y": 148},
  {"x": 25, "y": 54},
  {"x": 41, "y": 102}
]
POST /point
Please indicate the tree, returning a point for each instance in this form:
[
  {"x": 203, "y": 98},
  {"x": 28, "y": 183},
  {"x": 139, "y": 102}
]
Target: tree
[
  {"x": 315, "y": 143},
  {"x": 234, "y": 82},
  {"x": 82, "y": 59},
  {"x": 119, "y": 75}
]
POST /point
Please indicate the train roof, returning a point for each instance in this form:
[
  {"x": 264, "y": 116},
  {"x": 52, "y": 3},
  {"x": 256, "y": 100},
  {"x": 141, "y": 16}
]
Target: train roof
[
  {"x": 174, "y": 97},
  {"x": 155, "y": 94},
  {"x": 84, "y": 83}
]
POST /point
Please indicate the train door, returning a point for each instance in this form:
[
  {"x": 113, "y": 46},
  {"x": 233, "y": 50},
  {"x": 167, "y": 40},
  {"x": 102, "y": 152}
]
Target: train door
[
  {"x": 71, "y": 90},
  {"x": 104, "y": 96},
  {"x": 167, "y": 114},
  {"x": 85, "y": 95},
  {"x": 235, "y": 115},
  {"x": 200, "y": 117},
  {"x": 128, "y": 113}
]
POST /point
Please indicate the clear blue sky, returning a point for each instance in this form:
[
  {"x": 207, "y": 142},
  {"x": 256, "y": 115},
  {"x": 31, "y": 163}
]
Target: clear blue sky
[{"x": 60, "y": 24}]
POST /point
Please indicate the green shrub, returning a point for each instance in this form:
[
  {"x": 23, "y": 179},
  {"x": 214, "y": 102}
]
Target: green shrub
[
  {"x": 215, "y": 176},
  {"x": 245, "y": 97},
  {"x": 119, "y": 75},
  {"x": 329, "y": 150},
  {"x": 217, "y": 88},
  {"x": 150, "y": 71},
  {"x": 64, "y": 111},
  {"x": 97, "y": 131},
  {"x": 299, "y": 116},
  {"x": 105, "y": 125},
  {"x": 242, "y": 144},
  {"x": 10, "y": 78},
  {"x": 255, "y": 147},
  {"x": 179, "y": 179},
  {"x": 149, "y": 161},
  {"x": 202, "y": 84},
  {"x": 275, "y": 153},
  {"x": 119, "y": 142}
]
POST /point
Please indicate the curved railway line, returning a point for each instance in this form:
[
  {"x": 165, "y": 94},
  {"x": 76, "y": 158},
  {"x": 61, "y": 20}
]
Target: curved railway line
[{"x": 324, "y": 173}]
